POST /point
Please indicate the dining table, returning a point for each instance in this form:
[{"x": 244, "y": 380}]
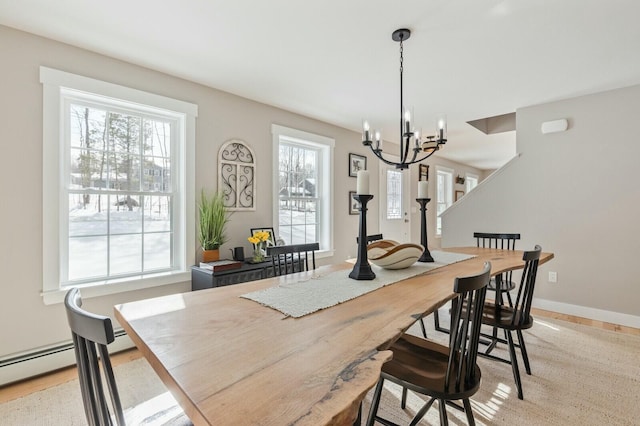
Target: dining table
[{"x": 229, "y": 360}]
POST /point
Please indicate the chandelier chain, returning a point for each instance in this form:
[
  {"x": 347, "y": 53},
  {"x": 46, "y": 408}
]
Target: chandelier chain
[{"x": 401, "y": 58}]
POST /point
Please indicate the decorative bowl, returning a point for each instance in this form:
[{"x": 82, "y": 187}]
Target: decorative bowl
[{"x": 390, "y": 254}]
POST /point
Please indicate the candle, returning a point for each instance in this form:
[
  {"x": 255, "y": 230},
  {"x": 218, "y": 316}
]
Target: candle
[
  {"x": 365, "y": 128},
  {"x": 377, "y": 139},
  {"x": 423, "y": 189},
  {"x": 407, "y": 121},
  {"x": 441, "y": 127},
  {"x": 362, "y": 185}
]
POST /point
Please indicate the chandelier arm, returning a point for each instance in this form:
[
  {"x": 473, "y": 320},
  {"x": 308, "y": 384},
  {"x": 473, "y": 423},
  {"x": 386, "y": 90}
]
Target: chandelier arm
[
  {"x": 378, "y": 154},
  {"x": 415, "y": 154},
  {"x": 406, "y": 146}
]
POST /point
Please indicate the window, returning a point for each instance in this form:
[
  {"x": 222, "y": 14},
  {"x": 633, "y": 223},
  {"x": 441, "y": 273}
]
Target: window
[
  {"x": 471, "y": 182},
  {"x": 394, "y": 194},
  {"x": 444, "y": 194},
  {"x": 118, "y": 203},
  {"x": 303, "y": 182}
]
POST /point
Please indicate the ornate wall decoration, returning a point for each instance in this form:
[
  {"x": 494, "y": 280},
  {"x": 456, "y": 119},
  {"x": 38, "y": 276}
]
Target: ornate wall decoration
[{"x": 236, "y": 175}]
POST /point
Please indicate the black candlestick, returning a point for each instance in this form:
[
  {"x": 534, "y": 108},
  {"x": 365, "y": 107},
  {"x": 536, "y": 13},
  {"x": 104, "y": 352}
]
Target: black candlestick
[
  {"x": 362, "y": 269},
  {"x": 426, "y": 256}
]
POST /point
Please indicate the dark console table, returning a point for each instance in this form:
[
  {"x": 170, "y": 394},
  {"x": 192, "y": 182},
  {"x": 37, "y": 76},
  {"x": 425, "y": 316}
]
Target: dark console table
[{"x": 206, "y": 278}]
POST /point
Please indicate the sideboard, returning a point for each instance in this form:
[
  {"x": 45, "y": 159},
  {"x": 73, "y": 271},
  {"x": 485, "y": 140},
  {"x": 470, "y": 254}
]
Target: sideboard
[{"x": 206, "y": 278}]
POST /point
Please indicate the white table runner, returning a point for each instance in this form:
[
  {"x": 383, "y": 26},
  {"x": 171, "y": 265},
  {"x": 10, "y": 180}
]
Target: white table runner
[{"x": 320, "y": 291}]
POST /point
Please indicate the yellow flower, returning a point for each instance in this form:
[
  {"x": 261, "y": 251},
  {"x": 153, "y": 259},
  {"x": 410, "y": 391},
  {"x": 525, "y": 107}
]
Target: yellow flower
[{"x": 253, "y": 240}]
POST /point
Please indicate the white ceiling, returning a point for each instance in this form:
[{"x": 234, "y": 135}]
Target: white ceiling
[{"x": 334, "y": 60}]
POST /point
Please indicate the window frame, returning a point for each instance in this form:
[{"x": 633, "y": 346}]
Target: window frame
[
  {"x": 400, "y": 194},
  {"x": 468, "y": 178},
  {"x": 56, "y": 87},
  {"x": 448, "y": 195},
  {"x": 325, "y": 146}
]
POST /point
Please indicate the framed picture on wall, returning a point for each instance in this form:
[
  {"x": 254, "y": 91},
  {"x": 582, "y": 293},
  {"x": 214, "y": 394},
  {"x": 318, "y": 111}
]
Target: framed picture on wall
[
  {"x": 356, "y": 163},
  {"x": 459, "y": 195},
  {"x": 354, "y": 205},
  {"x": 423, "y": 172}
]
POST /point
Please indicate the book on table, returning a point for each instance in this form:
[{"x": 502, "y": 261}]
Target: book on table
[{"x": 221, "y": 265}]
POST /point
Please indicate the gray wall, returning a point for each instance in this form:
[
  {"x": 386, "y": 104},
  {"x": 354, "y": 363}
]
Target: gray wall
[
  {"x": 575, "y": 193},
  {"x": 26, "y": 322}
]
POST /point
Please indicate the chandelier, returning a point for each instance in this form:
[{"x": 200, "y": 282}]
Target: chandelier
[{"x": 410, "y": 139}]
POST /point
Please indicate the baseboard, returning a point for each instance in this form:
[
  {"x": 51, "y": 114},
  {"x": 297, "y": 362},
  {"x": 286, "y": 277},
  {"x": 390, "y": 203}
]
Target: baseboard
[
  {"x": 590, "y": 313},
  {"x": 45, "y": 360}
]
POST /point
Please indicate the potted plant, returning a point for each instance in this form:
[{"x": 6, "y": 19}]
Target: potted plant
[{"x": 213, "y": 219}]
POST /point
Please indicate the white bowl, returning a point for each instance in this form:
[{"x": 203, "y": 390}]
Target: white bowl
[{"x": 390, "y": 254}]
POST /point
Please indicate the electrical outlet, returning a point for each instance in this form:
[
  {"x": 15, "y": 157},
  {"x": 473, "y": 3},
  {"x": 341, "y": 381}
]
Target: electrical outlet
[{"x": 553, "y": 277}]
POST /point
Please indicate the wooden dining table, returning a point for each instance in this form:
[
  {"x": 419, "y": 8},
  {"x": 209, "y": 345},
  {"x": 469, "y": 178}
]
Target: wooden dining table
[{"x": 231, "y": 361}]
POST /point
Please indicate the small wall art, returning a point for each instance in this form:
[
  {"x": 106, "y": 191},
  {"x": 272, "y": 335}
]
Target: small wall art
[
  {"x": 356, "y": 163},
  {"x": 354, "y": 205}
]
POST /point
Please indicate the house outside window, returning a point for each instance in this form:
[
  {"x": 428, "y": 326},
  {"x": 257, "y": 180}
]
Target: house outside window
[
  {"x": 117, "y": 198},
  {"x": 303, "y": 181},
  {"x": 444, "y": 194}
]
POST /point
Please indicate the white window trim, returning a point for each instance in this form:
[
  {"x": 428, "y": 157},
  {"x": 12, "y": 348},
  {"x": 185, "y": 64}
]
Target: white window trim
[
  {"x": 327, "y": 170},
  {"x": 450, "y": 171},
  {"x": 54, "y": 81},
  {"x": 472, "y": 176}
]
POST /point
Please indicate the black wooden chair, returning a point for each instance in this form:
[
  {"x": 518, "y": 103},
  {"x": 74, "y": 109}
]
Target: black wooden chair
[
  {"x": 371, "y": 238},
  {"x": 293, "y": 258},
  {"x": 514, "y": 318},
  {"x": 91, "y": 334},
  {"x": 444, "y": 373},
  {"x": 490, "y": 240}
]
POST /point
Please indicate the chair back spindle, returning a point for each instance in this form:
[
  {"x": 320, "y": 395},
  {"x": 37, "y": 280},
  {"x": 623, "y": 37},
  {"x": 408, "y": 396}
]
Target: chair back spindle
[
  {"x": 496, "y": 240},
  {"x": 293, "y": 258}
]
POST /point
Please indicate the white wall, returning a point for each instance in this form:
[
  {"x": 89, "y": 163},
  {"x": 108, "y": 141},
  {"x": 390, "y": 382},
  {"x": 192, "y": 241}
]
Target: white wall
[
  {"x": 574, "y": 193},
  {"x": 26, "y": 322}
]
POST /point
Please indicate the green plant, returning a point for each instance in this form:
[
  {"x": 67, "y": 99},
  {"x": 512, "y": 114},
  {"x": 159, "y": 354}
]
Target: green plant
[{"x": 213, "y": 219}]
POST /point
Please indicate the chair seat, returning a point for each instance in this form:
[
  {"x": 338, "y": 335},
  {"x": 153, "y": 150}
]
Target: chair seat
[
  {"x": 160, "y": 410},
  {"x": 504, "y": 285},
  {"x": 502, "y": 316},
  {"x": 420, "y": 365}
]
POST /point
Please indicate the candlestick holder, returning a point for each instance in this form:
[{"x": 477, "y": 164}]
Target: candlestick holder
[
  {"x": 426, "y": 255},
  {"x": 362, "y": 269}
]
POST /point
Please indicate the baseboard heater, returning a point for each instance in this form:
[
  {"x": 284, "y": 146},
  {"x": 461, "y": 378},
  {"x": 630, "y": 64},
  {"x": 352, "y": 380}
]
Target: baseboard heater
[{"x": 44, "y": 360}]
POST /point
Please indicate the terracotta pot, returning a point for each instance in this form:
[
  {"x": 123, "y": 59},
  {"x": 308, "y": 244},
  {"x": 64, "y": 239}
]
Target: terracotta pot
[{"x": 210, "y": 255}]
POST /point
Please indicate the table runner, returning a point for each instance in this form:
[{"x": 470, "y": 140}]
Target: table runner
[{"x": 319, "y": 291}]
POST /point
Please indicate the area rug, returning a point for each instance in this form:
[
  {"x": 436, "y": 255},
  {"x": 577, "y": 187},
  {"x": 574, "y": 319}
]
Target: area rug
[{"x": 581, "y": 376}]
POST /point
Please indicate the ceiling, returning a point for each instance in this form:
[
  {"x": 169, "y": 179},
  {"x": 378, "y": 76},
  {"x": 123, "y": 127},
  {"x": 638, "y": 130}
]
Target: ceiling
[{"x": 334, "y": 60}]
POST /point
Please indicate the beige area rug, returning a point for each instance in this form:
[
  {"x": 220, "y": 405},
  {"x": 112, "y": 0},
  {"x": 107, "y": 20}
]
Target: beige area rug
[{"x": 581, "y": 376}]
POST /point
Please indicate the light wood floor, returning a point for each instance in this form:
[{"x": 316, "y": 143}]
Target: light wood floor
[
  {"x": 28, "y": 386},
  {"x": 35, "y": 384}
]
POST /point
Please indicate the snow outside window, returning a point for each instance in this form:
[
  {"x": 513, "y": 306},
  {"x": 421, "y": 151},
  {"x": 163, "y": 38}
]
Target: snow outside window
[{"x": 115, "y": 178}]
